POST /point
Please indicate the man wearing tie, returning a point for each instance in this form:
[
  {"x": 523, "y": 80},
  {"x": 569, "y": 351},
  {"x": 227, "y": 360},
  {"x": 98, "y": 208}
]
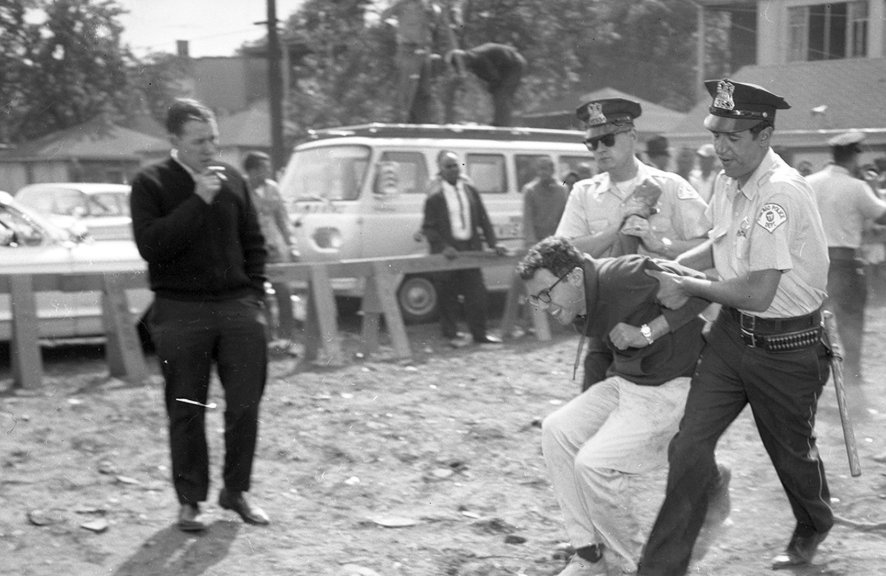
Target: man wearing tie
[{"x": 455, "y": 220}]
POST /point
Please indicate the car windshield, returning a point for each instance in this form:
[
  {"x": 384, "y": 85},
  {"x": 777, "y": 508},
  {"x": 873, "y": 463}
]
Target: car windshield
[
  {"x": 30, "y": 226},
  {"x": 326, "y": 173}
]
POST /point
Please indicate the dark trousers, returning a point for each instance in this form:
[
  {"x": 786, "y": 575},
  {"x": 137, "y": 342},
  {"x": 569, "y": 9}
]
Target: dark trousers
[
  {"x": 189, "y": 338},
  {"x": 783, "y": 391},
  {"x": 847, "y": 296},
  {"x": 468, "y": 284}
]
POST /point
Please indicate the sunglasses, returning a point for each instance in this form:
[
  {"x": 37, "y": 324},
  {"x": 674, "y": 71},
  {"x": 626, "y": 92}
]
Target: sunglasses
[
  {"x": 607, "y": 140},
  {"x": 545, "y": 295}
]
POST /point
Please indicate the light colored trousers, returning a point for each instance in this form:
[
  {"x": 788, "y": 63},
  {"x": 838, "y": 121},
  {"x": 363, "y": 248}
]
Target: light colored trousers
[{"x": 594, "y": 445}]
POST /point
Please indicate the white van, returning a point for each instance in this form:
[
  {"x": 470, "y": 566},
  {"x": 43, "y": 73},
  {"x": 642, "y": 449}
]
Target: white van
[{"x": 359, "y": 192}]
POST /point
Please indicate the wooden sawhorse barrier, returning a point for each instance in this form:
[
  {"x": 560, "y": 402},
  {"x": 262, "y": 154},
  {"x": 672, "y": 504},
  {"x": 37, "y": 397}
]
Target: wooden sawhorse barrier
[{"x": 123, "y": 349}]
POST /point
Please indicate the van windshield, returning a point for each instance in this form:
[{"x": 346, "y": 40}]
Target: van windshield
[{"x": 326, "y": 173}]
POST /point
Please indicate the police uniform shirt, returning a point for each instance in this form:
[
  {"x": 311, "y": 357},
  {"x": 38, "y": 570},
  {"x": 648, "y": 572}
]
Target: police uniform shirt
[
  {"x": 845, "y": 203},
  {"x": 772, "y": 223},
  {"x": 594, "y": 205}
]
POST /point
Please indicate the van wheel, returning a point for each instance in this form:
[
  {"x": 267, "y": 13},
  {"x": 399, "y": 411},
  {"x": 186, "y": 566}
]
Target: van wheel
[{"x": 418, "y": 299}]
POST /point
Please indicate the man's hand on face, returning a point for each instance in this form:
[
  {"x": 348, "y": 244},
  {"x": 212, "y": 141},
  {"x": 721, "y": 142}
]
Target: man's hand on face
[
  {"x": 208, "y": 184},
  {"x": 670, "y": 289}
]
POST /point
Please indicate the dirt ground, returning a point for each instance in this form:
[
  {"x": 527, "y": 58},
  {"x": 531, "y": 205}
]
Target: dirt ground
[{"x": 424, "y": 467}]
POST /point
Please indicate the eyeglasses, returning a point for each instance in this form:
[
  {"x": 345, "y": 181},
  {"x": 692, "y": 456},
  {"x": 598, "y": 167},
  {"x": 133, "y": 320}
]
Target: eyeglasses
[
  {"x": 607, "y": 140},
  {"x": 544, "y": 296}
]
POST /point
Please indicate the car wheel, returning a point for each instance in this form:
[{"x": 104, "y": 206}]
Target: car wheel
[{"x": 418, "y": 299}]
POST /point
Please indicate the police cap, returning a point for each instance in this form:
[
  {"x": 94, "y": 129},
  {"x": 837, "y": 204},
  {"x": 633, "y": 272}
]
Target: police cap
[
  {"x": 850, "y": 139},
  {"x": 739, "y": 106},
  {"x": 608, "y": 116}
]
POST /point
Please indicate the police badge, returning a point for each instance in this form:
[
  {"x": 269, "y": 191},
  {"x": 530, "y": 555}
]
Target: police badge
[
  {"x": 595, "y": 114},
  {"x": 724, "y": 95}
]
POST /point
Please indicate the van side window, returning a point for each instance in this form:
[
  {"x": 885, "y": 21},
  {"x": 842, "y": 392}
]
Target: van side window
[
  {"x": 525, "y": 164},
  {"x": 487, "y": 173},
  {"x": 412, "y": 172},
  {"x": 584, "y": 166}
]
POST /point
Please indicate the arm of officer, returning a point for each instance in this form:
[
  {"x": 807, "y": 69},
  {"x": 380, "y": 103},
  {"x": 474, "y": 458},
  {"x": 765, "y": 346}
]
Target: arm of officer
[{"x": 754, "y": 291}]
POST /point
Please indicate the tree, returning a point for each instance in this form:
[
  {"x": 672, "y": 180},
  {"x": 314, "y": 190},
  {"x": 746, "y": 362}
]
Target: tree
[{"x": 62, "y": 69}]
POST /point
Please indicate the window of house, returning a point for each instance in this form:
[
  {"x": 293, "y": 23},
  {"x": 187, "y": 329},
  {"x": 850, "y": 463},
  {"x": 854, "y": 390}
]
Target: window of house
[
  {"x": 487, "y": 173},
  {"x": 828, "y": 31}
]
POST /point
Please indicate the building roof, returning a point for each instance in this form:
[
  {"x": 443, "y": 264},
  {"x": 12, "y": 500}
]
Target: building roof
[
  {"x": 826, "y": 97},
  {"x": 98, "y": 139},
  {"x": 655, "y": 118}
]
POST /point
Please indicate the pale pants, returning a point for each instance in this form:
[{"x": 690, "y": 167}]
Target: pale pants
[{"x": 595, "y": 444}]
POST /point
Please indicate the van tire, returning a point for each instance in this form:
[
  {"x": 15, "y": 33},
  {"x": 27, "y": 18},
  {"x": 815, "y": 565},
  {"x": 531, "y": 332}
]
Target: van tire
[{"x": 418, "y": 299}]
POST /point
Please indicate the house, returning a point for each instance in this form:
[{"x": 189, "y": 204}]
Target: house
[
  {"x": 96, "y": 151},
  {"x": 828, "y": 60}
]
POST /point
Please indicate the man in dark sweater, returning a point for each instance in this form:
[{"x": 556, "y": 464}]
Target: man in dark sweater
[
  {"x": 195, "y": 226},
  {"x": 621, "y": 426}
]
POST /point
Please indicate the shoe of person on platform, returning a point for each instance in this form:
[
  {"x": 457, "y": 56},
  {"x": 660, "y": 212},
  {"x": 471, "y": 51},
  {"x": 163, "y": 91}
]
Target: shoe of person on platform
[
  {"x": 236, "y": 502},
  {"x": 800, "y": 550},
  {"x": 578, "y": 566},
  {"x": 487, "y": 339},
  {"x": 189, "y": 519},
  {"x": 719, "y": 508}
]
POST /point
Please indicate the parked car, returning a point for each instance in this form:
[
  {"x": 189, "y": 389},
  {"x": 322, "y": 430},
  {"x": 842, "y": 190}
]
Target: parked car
[
  {"x": 30, "y": 243},
  {"x": 99, "y": 210}
]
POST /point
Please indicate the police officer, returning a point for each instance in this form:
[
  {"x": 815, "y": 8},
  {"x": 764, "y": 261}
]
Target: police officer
[
  {"x": 765, "y": 349},
  {"x": 847, "y": 204},
  {"x": 602, "y": 212}
]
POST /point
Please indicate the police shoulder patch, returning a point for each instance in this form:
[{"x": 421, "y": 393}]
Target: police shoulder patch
[{"x": 771, "y": 217}]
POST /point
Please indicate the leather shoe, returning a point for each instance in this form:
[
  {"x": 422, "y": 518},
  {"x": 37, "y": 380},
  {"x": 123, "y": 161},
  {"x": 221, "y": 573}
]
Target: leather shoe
[
  {"x": 799, "y": 552},
  {"x": 487, "y": 339},
  {"x": 189, "y": 518},
  {"x": 236, "y": 502}
]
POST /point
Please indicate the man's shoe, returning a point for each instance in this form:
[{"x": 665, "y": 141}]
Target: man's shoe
[
  {"x": 189, "y": 518},
  {"x": 487, "y": 339},
  {"x": 578, "y": 566},
  {"x": 236, "y": 502},
  {"x": 799, "y": 552}
]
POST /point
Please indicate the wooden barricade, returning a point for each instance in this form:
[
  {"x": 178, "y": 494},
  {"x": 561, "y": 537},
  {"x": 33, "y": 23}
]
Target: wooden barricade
[{"x": 123, "y": 351}]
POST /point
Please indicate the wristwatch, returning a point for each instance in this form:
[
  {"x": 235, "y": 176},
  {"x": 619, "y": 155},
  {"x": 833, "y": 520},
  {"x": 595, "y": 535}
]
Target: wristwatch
[{"x": 646, "y": 331}]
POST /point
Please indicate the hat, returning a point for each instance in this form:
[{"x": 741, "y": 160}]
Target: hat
[
  {"x": 852, "y": 138},
  {"x": 657, "y": 146},
  {"x": 738, "y": 106},
  {"x": 706, "y": 150},
  {"x": 607, "y": 116}
]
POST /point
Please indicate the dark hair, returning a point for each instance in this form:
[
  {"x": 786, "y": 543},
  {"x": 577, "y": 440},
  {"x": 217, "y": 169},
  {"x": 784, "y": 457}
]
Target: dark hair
[
  {"x": 554, "y": 253},
  {"x": 254, "y": 159},
  {"x": 755, "y": 130},
  {"x": 843, "y": 154},
  {"x": 184, "y": 110}
]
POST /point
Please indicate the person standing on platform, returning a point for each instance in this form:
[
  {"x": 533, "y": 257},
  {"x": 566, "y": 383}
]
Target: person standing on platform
[
  {"x": 847, "y": 206},
  {"x": 195, "y": 225},
  {"x": 765, "y": 348}
]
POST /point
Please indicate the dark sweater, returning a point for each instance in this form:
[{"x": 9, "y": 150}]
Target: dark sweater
[
  {"x": 194, "y": 250},
  {"x": 619, "y": 290}
]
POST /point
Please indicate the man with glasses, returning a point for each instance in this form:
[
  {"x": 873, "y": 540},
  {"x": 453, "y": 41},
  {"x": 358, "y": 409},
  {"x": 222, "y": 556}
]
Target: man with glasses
[
  {"x": 620, "y": 427},
  {"x": 603, "y": 215}
]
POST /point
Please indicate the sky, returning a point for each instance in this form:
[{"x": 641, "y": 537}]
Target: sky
[{"x": 211, "y": 27}]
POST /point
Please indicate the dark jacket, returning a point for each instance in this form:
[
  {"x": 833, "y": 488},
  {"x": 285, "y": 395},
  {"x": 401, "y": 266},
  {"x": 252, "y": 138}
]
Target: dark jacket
[
  {"x": 438, "y": 229},
  {"x": 619, "y": 290},
  {"x": 194, "y": 250}
]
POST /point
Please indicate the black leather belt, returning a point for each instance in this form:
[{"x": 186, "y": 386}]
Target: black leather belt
[{"x": 778, "y": 334}]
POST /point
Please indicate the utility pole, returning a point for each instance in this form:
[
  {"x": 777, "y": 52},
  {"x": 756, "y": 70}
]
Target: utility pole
[{"x": 275, "y": 89}]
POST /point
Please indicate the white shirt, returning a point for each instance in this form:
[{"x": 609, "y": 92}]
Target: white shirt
[
  {"x": 459, "y": 209},
  {"x": 845, "y": 204}
]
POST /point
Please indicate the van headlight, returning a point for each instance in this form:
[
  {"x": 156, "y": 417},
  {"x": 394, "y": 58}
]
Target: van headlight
[{"x": 328, "y": 238}]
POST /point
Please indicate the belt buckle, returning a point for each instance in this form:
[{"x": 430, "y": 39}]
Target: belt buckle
[
  {"x": 747, "y": 322},
  {"x": 749, "y": 338}
]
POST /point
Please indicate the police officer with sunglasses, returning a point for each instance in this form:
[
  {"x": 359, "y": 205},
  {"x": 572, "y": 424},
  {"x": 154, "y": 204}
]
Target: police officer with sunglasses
[{"x": 660, "y": 212}]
